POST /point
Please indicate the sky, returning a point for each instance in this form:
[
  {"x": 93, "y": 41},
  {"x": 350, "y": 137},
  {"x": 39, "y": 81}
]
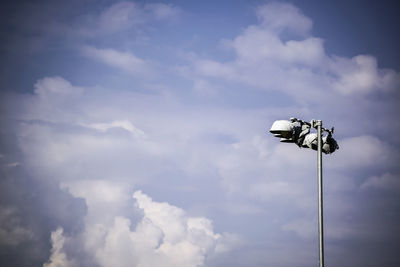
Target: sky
[{"x": 135, "y": 133}]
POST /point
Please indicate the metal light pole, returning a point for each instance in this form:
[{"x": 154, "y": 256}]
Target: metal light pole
[
  {"x": 291, "y": 132},
  {"x": 320, "y": 195}
]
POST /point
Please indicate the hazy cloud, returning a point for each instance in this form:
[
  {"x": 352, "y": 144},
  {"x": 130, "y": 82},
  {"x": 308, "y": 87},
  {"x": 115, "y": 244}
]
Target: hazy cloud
[
  {"x": 279, "y": 17},
  {"x": 124, "y": 124},
  {"x": 387, "y": 181},
  {"x": 126, "y": 14},
  {"x": 12, "y": 231},
  {"x": 121, "y": 60},
  {"x": 364, "y": 151},
  {"x": 56, "y": 86}
]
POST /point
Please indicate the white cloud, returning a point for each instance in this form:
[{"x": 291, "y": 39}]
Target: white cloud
[
  {"x": 101, "y": 164},
  {"x": 300, "y": 68},
  {"x": 250, "y": 166},
  {"x": 121, "y": 60},
  {"x": 58, "y": 258},
  {"x": 268, "y": 171},
  {"x": 56, "y": 87},
  {"x": 160, "y": 11},
  {"x": 256, "y": 45},
  {"x": 362, "y": 75},
  {"x": 120, "y": 15},
  {"x": 126, "y": 15},
  {"x": 86, "y": 155},
  {"x": 164, "y": 236},
  {"x": 123, "y": 124},
  {"x": 101, "y": 143},
  {"x": 97, "y": 191},
  {"x": 278, "y": 17}
]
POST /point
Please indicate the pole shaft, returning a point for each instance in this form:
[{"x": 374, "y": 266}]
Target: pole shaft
[{"x": 320, "y": 197}]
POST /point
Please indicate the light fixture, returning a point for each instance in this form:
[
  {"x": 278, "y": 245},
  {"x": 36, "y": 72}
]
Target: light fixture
[{"x": 299, "y": 132}]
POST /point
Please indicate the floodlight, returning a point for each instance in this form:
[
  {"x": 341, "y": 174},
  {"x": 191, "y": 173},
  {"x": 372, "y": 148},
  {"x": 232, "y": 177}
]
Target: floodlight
[
  {"x": 298, "y": 131},
  {"x": 329, "y": 144},
  {"x": 282, "y": 129},
  {"x": 311, "y": 141}
]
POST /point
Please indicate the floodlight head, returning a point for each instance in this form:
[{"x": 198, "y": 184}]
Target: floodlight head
[
  {"x": 282, "y": 129},
  {"x": 298, "y": 132},
  {"x": 311, "y": 141},
  {"x": 329, "y": 145}
]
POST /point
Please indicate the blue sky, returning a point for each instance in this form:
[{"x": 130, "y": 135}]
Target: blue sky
[{"x": 135, "y": 133}]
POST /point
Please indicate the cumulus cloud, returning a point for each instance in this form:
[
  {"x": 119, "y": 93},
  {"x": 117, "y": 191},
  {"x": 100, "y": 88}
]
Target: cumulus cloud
[
  {"x": 32, "y": 207},
  {"x": 257, "y": 45},
  {"x": 97, "y": 191},
  {"x": 164, "y": 236},
  {"x": 58, "y": 257},
  {"x": 299, "y": 67},
  {"x": 361, "y": 75},
  {"x": 82, "y": 150}
]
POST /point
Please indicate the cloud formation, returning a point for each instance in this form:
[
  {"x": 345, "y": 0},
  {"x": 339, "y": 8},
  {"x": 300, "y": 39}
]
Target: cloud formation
[
  {"x": 58, "y": 257},
  {"x": 78, "y": 147},
  {"x": 279, "y": 17},
  {"x": 267, "y": 57},
  {"x": 126, "y": 14},
  {"x": 164, "y": 236},
  {"x": 121, "y": 60}
]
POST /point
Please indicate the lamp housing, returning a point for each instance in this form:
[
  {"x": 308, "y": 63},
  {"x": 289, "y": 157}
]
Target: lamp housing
[{"x": 282, "y": 129}]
